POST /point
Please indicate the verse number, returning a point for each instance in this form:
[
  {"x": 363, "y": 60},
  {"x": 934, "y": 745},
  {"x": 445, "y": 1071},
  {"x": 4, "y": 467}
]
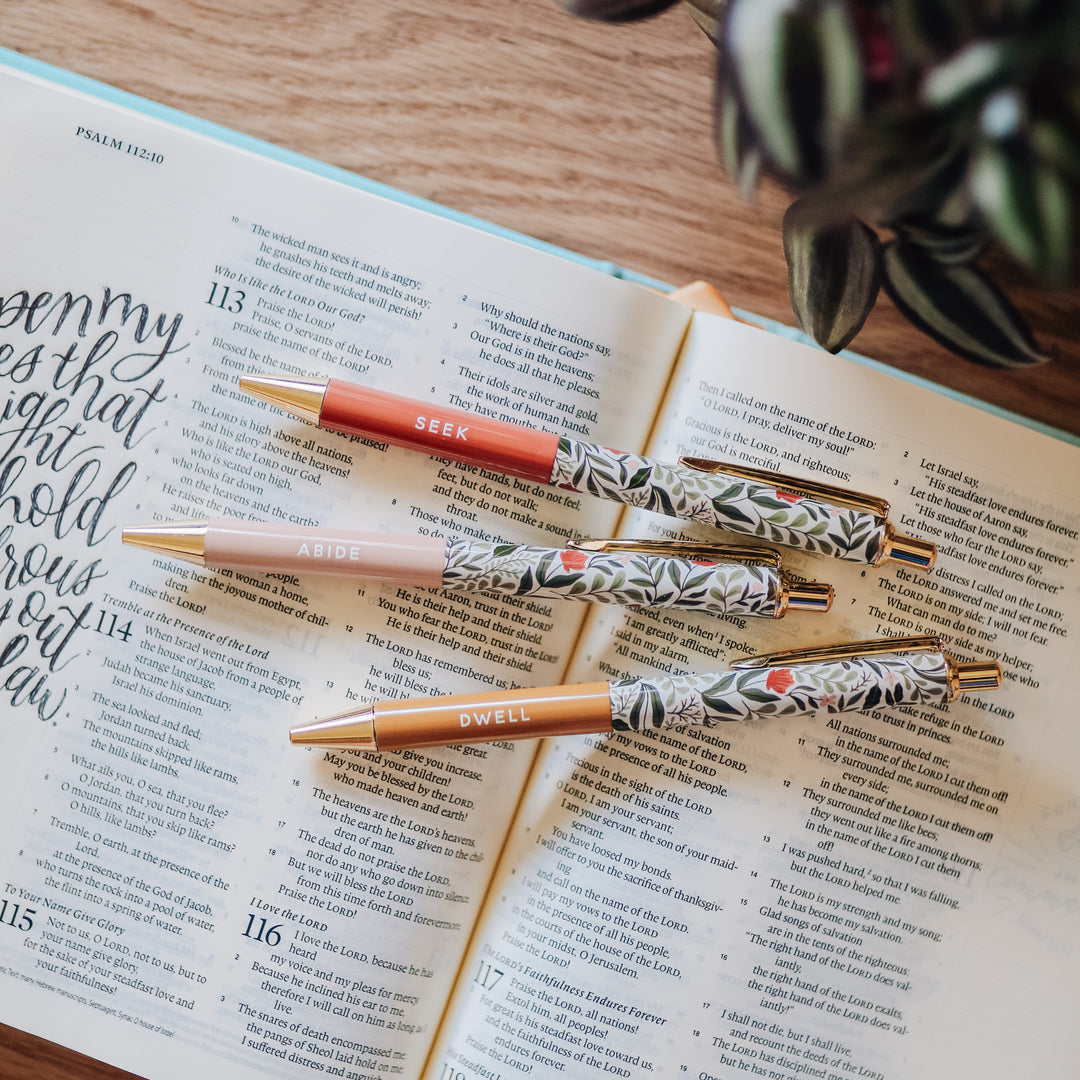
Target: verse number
[
  {"x": 487, "y": 976},
  {"x": 16, "y": 916},
  {"x": 268, "y": 935},
  {"x": 450, "y": 1073},
  {"x": 226, "y": 298}
]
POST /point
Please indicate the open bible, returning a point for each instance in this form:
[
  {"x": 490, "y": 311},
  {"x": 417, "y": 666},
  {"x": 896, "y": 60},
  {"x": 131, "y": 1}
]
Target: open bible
[{"x": 877, "y": 894}]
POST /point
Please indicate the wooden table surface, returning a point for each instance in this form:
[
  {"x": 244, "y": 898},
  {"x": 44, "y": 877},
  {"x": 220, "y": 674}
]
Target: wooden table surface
[{"x": 591, "y": 137}]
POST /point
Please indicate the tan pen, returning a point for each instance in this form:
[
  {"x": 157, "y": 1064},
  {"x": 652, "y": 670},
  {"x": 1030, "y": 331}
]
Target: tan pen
[{"x": 843, "y": 678}]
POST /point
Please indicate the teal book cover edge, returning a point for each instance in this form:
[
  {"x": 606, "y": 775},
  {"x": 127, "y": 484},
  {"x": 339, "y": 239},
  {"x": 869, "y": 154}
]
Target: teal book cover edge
[{"x": 85, "y": 85}]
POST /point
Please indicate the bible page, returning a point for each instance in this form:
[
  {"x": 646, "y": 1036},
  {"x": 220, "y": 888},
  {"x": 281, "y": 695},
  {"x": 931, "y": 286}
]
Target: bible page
[
  {"x": 180, "y": 885},
  {"x": 884, "y": 894}
]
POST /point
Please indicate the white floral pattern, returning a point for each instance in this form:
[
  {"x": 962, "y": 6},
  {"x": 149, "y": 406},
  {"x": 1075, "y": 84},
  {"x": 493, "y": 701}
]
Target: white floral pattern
[
  {"x": 918, "y": 678},
  {"x": 726, "y": 502},
  {"x": 612, "y": 578}
]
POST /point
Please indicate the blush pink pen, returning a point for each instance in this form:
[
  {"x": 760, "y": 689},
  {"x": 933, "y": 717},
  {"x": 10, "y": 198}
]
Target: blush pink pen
[
  {"x": 695, "y": 577},
  {"x": 779, "y": 509}
]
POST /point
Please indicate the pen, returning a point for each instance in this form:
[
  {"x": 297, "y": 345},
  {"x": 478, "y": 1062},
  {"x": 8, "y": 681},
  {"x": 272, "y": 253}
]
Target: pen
[
  {"x": 701, "y": 577},
  {"x": 781, "y": 509},
  {"x": 844, "y": 678}
]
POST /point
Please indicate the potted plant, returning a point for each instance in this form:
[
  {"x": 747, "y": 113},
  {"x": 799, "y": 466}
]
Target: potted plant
[{"x": 912, "y": 135}]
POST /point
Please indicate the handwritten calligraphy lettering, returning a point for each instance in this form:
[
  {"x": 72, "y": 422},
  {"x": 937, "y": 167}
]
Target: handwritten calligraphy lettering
[{"x": 80, "y": 375}]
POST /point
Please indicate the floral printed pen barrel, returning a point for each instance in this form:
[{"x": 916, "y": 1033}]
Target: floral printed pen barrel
[
  {"x": 851, "y": 678},
  {"x": 818, "y": 518},
  {"x": 708, "y": 578}
]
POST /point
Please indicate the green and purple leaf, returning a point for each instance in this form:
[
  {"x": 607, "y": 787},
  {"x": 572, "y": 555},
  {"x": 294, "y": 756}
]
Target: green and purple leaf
[
  {"x": 959, "y": 306},
  {"x": 798, "y": 73},
  {"x": 616, "y": 10},
  {"x": 833, "y": 277}
]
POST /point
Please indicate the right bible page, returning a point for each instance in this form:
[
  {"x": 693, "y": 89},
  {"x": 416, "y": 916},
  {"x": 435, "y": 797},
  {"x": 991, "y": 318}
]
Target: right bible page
[{"x": 885, "y": 894}]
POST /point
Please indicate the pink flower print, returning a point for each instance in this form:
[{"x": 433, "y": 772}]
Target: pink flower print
[
  {"x": 780, "y": 680},
  {"x": 572, "y": 559}
]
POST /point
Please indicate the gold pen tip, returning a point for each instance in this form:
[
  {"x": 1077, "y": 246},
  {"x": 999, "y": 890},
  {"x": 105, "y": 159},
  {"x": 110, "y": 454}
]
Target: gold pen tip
[
  {"x": 352, "y": 730},
  {"x": 301, "y": 397},
  {"x": 185, "y": 540}
]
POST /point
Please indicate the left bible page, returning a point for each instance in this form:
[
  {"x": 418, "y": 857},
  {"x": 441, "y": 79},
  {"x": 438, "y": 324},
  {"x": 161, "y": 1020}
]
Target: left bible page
[{"x": 178, "y": 885}]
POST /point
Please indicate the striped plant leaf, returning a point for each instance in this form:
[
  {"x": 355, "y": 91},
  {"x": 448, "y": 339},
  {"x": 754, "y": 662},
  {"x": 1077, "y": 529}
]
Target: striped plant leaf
[
  {"x": 958, "y": 306},
  {"x": 833, "y": 277},
  {"x": 903, "y": 165},
  {"x": 616, "y": 10},
  {"x": 798, "y": 72},
  {"x": 926, "y": 30},
  {"x": 707, "y": 14},
  {"x": 941, "y": 217},
  {"x": 968, "y": 73},
  {"x": 1057, "y": 142},
  {"x": 735, "y": 144},
  {"x": 947, "y": 244},
  {"x": 1027, "y": 204}
]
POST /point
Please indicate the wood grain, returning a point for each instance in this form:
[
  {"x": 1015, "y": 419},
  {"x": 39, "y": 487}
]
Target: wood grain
[{"x": 591, "y": 137}]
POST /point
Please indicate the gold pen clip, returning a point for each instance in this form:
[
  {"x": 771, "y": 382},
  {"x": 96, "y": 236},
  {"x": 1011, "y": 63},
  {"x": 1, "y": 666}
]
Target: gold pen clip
[
  {"x": 852, "y": 650},
  {"x": 798, "y": 595},
  {"x": 960, "y": 677},
  {"x": 905, "y": 549},
  {"x": 806, "y": 489},
  {"x": 695, "y": 551}
]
